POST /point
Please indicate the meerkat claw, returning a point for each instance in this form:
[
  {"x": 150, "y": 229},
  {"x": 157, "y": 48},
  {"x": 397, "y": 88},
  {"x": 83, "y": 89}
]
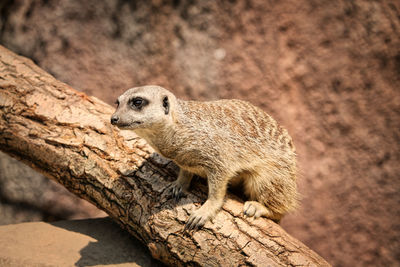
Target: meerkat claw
[
  {"x": 195, "y": 222},
  {"x": 255, "y": 210},
  {"x": 176, "y": 191},
  {"x": 248, "y": 209},
  {"x": 189, "y": 225},
  {"x": 199, "y": 218}
]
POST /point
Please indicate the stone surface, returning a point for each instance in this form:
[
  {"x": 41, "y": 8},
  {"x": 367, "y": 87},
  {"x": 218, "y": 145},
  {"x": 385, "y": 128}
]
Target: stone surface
[{"x": 91, "y": 242}]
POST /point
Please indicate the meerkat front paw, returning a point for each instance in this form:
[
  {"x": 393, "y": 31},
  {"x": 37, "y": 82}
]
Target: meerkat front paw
[
  {"x": 176, "y": 190},
  {"x": 199, "y": 218},
  {"x": 181, "y": 185}
]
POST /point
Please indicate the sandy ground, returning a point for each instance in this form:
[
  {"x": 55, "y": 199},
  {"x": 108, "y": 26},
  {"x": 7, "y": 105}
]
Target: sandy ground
[{"x": 92, "y": 242}]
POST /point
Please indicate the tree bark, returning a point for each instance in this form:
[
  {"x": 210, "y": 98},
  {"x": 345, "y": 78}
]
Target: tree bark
[{"x": 67, "y": 136}]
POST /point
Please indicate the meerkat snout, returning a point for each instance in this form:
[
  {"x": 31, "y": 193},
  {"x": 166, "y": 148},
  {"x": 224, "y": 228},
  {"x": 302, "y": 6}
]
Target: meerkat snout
[
  {"x": 114, "y": 119},
  {"x": 225, "y": 141}
]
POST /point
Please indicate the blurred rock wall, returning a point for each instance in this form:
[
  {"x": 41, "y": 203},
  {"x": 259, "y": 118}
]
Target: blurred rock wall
[{"x": 329, "y": 71}]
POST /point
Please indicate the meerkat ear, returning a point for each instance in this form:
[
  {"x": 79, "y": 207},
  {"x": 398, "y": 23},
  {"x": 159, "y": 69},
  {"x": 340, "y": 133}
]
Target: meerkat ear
[{"x": 166, "y": 105}]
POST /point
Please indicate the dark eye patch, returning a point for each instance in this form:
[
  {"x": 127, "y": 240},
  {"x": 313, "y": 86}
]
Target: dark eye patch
[
  {"x": 138, "y": 102},
  {"x": 117, "y": 103}
]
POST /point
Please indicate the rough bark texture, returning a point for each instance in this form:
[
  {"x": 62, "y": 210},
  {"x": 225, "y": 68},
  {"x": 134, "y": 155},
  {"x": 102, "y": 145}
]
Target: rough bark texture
[{"x": 67, "y": 136}]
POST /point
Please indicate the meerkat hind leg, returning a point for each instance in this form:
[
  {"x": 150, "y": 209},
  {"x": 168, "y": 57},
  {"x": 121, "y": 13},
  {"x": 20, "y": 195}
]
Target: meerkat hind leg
[{"x": 256, "y": 209}]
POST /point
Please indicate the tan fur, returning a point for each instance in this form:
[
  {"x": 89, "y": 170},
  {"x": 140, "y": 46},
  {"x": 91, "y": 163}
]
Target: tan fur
[{"x": 225, "y": 141}]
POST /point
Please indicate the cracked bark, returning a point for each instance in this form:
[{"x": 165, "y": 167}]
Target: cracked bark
[{"x": 67, "y": 136}]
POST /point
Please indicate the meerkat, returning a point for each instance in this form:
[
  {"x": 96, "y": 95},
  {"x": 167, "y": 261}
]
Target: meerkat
[{"x": 225, "y": 141}]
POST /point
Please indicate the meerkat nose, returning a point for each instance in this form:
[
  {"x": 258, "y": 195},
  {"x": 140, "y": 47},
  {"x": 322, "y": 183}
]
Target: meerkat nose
[{"x": 114, "y": 119}]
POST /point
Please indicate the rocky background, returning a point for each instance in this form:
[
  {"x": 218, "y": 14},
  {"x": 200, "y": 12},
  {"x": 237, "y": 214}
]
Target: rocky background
[{"x": 329, "y": 71}]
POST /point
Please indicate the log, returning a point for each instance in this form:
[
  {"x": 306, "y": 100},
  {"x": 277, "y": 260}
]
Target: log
[{"x": 66, "y": 135}]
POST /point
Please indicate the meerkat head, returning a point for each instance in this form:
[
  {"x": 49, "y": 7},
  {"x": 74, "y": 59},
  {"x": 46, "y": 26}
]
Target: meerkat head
[{"x": 145, "y": 107}]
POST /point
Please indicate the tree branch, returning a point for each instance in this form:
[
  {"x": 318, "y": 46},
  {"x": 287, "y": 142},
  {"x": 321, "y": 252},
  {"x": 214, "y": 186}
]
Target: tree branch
[{"x": 67, "y": 136}]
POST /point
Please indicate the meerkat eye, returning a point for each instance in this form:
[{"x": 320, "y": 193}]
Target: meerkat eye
[
  {"x": 117, "y": 103},
  {"x": 138, "y": 102}
]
